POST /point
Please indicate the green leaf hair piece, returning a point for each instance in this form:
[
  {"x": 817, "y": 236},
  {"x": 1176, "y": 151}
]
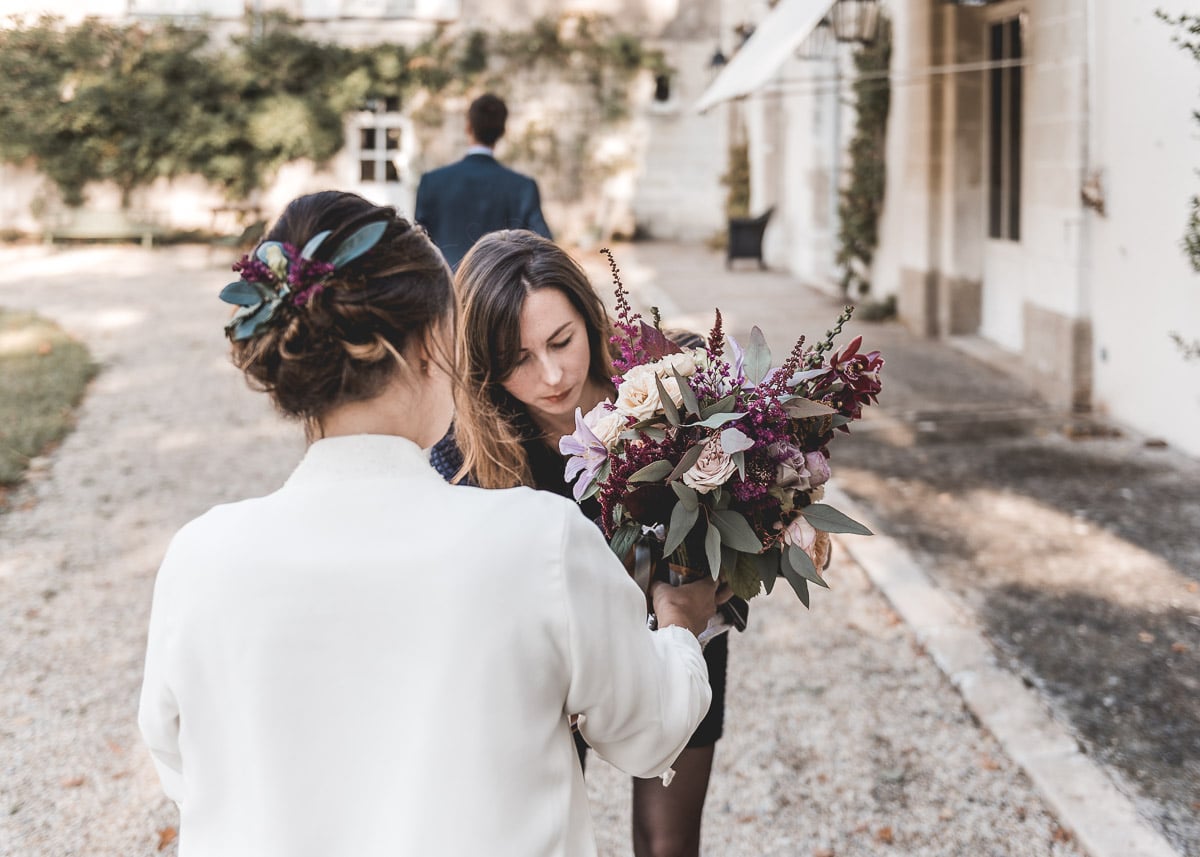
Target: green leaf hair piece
[
  {"x": 360, "y": 242},
  {"x": 314, "y": 244}
]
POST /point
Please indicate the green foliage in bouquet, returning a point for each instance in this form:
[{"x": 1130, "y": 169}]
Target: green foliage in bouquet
[{"x": 716, "y": 462}]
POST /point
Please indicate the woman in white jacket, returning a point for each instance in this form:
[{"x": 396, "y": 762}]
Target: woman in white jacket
[{"x": 370, "y": 661}]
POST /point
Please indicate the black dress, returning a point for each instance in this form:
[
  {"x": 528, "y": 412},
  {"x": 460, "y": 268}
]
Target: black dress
[{"x": 546, "y": 467}]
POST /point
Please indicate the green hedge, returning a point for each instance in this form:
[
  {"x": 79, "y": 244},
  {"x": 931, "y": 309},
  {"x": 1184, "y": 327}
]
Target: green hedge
[{"x": 131, "y": 103}]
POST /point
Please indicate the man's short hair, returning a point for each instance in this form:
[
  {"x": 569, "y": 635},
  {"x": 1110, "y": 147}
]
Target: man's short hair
[{"x": 486, "y": 117}]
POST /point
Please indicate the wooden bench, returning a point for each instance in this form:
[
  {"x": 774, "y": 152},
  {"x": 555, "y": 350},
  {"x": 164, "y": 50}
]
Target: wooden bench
[
  {"x": 88, "y": 224},
  {"x": 746, "y": 238}
]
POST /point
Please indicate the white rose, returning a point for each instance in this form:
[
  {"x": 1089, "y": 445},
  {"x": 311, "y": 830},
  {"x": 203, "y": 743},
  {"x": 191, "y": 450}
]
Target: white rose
[
  {"x": 711, "y": 470},
  {"x": 638, "y": 397},
  {"x": 684, "y": 363},
  {"x": 606, "y": 424}
]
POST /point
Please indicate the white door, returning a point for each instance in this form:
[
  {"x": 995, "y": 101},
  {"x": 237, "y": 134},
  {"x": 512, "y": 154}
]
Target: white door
[{"x": 1004, "y": 256}]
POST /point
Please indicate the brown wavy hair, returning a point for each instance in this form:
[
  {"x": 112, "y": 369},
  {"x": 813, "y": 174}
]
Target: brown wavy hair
[
  {"x": 347, "y": 343},
  {"x": 491, "y": 283}
]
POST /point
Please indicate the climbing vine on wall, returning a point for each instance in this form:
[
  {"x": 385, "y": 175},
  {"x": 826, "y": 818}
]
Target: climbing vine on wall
[
  {"x": 862, "y": 198},
  {"x": 131, "y": 103},
  {"x": 1187, "y": 37}
]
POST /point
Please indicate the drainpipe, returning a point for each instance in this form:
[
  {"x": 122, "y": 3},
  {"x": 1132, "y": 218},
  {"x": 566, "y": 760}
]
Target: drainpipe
[
  {"x": 836, "y": 162},
  {"x": 1083, "y": 374},
  {"x": 1088, "y": 152}
]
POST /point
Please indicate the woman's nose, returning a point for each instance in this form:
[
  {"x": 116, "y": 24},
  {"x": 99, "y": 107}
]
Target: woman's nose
[{"x": 551, "y": 372}]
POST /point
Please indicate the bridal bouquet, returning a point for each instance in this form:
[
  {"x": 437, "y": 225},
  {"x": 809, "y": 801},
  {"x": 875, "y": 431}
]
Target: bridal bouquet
[{"x": 715, "y": 458}]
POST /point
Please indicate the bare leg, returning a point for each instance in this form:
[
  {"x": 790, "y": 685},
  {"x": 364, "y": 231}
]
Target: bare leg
[{"x": 666, "y": 821}]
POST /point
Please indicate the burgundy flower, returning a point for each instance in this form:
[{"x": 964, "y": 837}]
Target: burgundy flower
[{"x": 852, "y": 380}]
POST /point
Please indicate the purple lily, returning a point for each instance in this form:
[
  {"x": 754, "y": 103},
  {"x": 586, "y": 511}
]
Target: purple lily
[
  {"x": 586, "y": 454},
  {"x": 738, "y": 366}
]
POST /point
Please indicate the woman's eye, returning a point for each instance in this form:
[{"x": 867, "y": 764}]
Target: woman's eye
[
  {"x": 522, "y": 360},
  {"x": 561, "y": 345}
]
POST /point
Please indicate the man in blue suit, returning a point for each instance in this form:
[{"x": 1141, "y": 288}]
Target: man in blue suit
[{"x": 460, "y": 203}]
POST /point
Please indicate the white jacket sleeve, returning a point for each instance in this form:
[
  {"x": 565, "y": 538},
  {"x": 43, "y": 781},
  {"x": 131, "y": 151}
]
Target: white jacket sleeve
[
  {"x": 643, "y": 692},
  {"x": 158, "y": 711}
]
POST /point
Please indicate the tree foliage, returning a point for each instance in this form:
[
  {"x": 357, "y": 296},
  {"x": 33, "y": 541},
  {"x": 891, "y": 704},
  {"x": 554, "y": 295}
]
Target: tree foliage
[
  {"x": 1187, "y": 37},
  {"x": 862, "y": 199},
  {"x": 132, "y": 103}
]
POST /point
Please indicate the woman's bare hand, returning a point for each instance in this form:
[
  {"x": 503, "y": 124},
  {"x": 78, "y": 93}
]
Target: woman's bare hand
[{"x": 689, "y": 606}]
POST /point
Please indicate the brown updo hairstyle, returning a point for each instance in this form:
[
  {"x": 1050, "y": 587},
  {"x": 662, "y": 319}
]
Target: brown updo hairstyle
[
  {"x": 346, "y": 343},
  {"x": 492, "y": 282}
]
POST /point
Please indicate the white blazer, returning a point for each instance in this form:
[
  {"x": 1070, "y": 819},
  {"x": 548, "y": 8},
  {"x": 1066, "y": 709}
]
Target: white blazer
[{"x": 373, "y": 662}]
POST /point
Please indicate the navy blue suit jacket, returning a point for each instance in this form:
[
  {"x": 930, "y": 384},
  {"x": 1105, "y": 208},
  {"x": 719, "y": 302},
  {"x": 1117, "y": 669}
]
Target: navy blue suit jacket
[{"x": 460, "y": 203}]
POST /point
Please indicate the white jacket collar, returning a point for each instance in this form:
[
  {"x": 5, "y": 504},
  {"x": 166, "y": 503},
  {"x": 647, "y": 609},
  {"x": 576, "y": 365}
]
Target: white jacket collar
[{"x": 362, "y": 456}]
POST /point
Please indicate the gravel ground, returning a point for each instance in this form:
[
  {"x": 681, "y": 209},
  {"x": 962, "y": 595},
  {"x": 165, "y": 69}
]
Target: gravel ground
[{"x": 842, "y": 737}]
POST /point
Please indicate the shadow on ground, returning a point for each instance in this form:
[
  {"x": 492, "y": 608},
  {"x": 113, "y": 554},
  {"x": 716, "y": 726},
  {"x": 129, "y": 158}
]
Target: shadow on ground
[{"x": 1080, "y": 556}]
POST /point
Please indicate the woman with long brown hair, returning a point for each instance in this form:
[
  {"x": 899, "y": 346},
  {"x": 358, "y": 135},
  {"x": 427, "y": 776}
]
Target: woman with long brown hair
[
  {"x": 533, "y": 346},
  {"x": 342, "y": 667}
]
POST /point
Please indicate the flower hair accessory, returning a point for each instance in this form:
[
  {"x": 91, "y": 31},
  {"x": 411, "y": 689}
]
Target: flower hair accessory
[{"x": 277, "y": 272}]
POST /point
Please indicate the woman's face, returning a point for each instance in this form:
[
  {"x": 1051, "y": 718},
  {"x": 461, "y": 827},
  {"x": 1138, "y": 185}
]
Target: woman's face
[{"x": 552, "y": 366}]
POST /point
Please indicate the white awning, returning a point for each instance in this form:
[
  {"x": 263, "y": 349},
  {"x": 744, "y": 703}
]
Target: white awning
[{"x": 773, "y": 40}]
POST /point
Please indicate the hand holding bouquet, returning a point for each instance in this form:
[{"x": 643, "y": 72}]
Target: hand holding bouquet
[{"x": 717, "y": 459}]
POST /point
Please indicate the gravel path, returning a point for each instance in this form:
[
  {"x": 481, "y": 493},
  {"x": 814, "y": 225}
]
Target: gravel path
[{"x": 842, "y": 737}]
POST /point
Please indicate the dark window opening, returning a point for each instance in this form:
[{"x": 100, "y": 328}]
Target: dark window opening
[
  {"x": 662, "y": 87},
  {"x": 393, "y": 139},
  {"x": 1005, "y": 85},
  {"x": 367, "y": 138},
  {"x": 366, "y": 171}
]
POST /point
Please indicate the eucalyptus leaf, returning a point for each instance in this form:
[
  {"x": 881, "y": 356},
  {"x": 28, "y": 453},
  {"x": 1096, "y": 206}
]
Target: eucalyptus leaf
[
  {"x": 243, "y": 293},
  {"x": 828, "y": 519},
  {"x": 721, "y": 499},
  {"x": 687, "y": 496},
  {"x": 689, "y": 395},
  {"x": 360, "y": 242},
  {"x": 716, "y": 420},
  {"x": 681, "y": 523},
  {"x": 668, "y": 404},
  {"x": 246, "y": 326},
  {"x": 807, "y": 375},
  {"x": 744, "y": 577},
  {"x": 840, "y": 420},
  {"x": 654, "y": 433},
  {"x": 768, "y": 569},
  {"x": 314, "y": 244},
  {"x": 739, "y": 461},
  {"x": 623, "y": 540},
  {"x": 712, "y": 550},
  {"x": 734, "y": 440},
  {"x": 685, "y": 464},
  {"x": 720, "y": 406},
  {"x": 736, "y": 531},
  {"x": 758, "y": 357},
  {"x": 801, "y": 563},
  {"x": 652, "y": 472},
  {"x": 799, "y": 584},
  {"x": 728, "y": 560},
  {"x": 801, "y": 409}
]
